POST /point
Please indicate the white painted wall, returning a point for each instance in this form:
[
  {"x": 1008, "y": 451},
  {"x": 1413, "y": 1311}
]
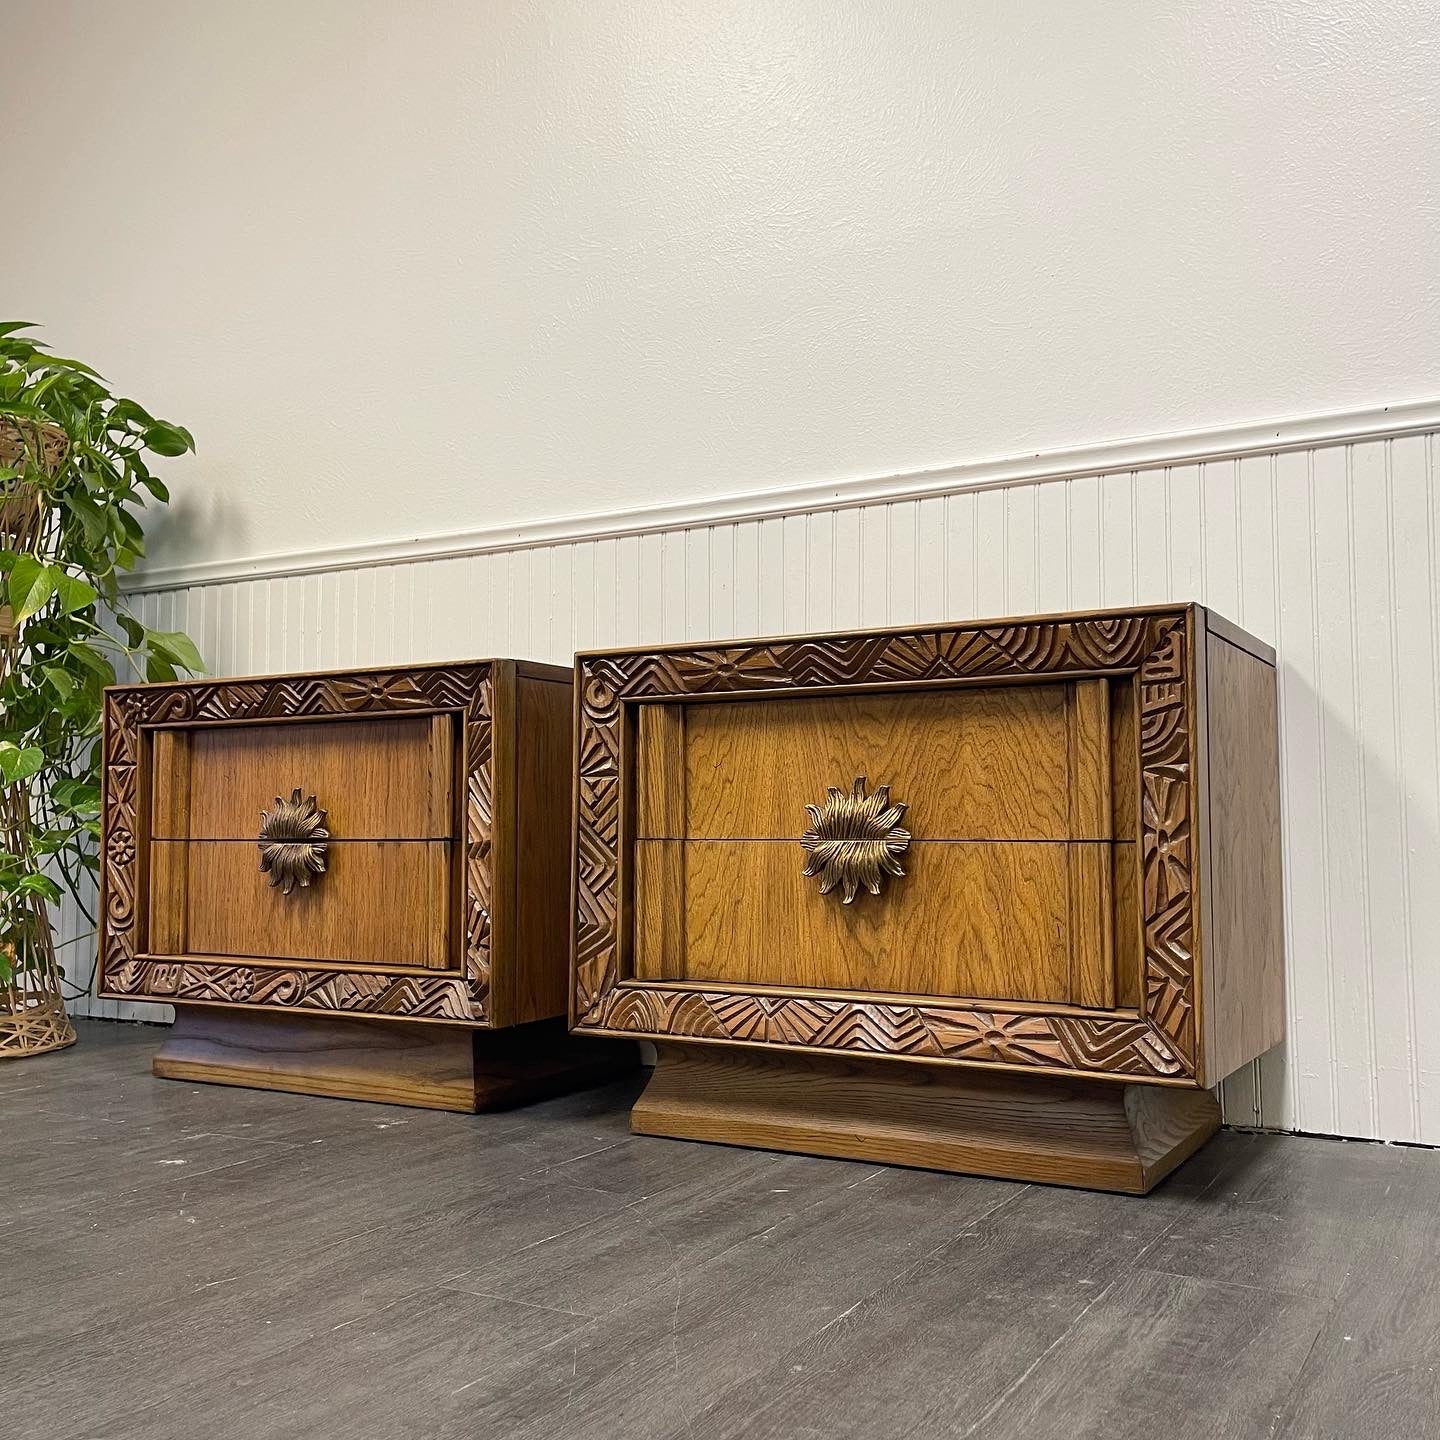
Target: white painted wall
[{"x": 409, "y": 268}]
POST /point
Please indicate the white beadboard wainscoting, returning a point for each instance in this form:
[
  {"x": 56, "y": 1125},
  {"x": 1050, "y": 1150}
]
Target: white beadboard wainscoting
[{"x": 1323, "y": 543}]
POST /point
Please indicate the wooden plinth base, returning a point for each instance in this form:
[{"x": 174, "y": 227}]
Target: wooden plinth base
[
  {"x": 1100, "y": 1135},
  {"x": 440, "y": 1067}
]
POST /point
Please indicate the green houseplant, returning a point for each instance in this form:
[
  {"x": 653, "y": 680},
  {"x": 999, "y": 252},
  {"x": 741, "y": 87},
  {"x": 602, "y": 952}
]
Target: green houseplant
[{"x": 73, "y": 471}]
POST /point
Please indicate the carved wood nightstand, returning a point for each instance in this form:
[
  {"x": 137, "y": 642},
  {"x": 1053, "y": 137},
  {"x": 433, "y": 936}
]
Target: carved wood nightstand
[
  {"x": 999, "y": 897},
  {"x": 346, "y": 884}
]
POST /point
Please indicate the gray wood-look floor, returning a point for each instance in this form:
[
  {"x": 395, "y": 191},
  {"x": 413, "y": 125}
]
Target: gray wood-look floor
[{"x": 207, "y": 1263}]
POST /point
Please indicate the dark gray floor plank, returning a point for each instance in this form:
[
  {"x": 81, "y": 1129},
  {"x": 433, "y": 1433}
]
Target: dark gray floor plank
[
  {"x": 995, "y": 1298},
  {"x": 62, "y": 1174},
  {"x": 652, "y": 1365},
  {"x": 626, "y": 1254},
  {"x": 92, "y": 1382},
  {"x": 1374, "y": 1373},
  {"x": 1165, "y": 1354},
  {"x": 644, "y": 1165},
  {"x": 325, "y": 1268},
  {"x": 395, "y": 1372},
  {"x": 1288, "y": 1215}
]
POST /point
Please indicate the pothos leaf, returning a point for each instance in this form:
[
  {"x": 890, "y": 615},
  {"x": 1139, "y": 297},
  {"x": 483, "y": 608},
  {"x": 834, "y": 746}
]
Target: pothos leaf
[
  {"x": 17, "y": 763},
  {"x": 62, "y": 681},
  {"x": 31, "y": 585},
  {"x": 177, "y": 647},
  {"x": 166, "y": 439},
  {"x": 74, "y": 594}
]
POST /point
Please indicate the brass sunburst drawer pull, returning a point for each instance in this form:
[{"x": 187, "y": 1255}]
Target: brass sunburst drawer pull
[
  {"x": 855, "y": 840},
  {"x": 293, "y": 841}
]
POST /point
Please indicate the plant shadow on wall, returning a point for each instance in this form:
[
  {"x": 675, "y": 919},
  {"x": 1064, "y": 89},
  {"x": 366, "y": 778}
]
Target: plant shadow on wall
[{"x": 74, "y": 468}]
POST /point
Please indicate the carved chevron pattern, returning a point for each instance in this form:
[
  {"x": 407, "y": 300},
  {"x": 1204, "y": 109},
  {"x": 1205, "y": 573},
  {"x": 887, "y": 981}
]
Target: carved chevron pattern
[
  {"x": 1127, "y": 1047},
  {"x": 466, "y": 689},
  {"x": 1152, "y": 646}
]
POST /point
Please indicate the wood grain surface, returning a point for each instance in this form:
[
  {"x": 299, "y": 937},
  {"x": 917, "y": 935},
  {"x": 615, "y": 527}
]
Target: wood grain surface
[
  {"x": 1244, "y": 944},
  {"x": 438, "y": 1067},
  {"x": 1007, "y": 915},
  {"x": 661, "y": 919},
  {"x": 455, "y": 704},
  {"x": 376, "y": 779},
  {"x": 659, "y": 951},
  {"x": 1088, "y": 768},
  {"x": 348, "y": 1059},
  {"x": 661, "y": 810},
  {"x": 970, "y": 763},
  {"x": 1129, "y": 947},
  {"x": 378, "y": 903},
  {"x": 966, "y": 919},
  {"x": 1059, "y": 1132},
  {"x": 534, "y": 984},
  {"x": 448, "y": 795}
]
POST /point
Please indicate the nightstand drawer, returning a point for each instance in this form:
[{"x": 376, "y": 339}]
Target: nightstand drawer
[
  {"x": 384, "y": 779},
  {"x": 990, "y": 764},
  {"x": 990, "y": 921},
  {"x": 376, "y": 903}
]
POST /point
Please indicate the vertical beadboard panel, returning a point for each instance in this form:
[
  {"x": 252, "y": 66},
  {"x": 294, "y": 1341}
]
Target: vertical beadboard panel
[
  {"x": 873, "y": 574},
  {"x": 1216, "y": 550},
  {"x": 1382, "y": 831},
  {"x": 818, "y": 533},
  {"x": 1415, "y": 559},
  {"x": 989, "y": 557},
  {"x": 1053, "y": 584},
  {"x": 960, "y": 581},
  {"x": 1258, "y": 600},
  {"x": 1118, "y": 565},
  {"x": 846, "y": 561},
  {"x": 1081, "y": 518},
  {"x": 1331, "y": 555},
  {"x": 1308, "y": 1002},
  {"x": 930, "y": 566},
  {"x": 1352, "y": 1078},
  {"x": 1020, "y": 545},
  {"x": 901, "y": 547}
]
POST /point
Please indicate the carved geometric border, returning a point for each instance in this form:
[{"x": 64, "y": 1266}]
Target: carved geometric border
[
  {"x": 1152, "y": 646},
  {"x": 465, "y": 689}
]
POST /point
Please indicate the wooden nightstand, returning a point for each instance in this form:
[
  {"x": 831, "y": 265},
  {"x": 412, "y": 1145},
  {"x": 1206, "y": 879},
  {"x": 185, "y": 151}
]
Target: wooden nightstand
[
  {"x": 346, "y": 884},
  {"x": 1072, "y": 826}
]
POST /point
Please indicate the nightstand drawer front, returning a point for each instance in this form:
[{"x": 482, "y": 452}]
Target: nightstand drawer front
[
  {"x": 982, "y": 920},
  {"x": 376, "y": 903},
  {"x": 377, "y": 779},
  {"x": 1009, "y": 827},
  {"x": 974, "y": 764}
]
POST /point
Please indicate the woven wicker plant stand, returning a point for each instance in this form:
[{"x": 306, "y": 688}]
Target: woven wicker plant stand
[{"x": 32, "y": 1005}]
